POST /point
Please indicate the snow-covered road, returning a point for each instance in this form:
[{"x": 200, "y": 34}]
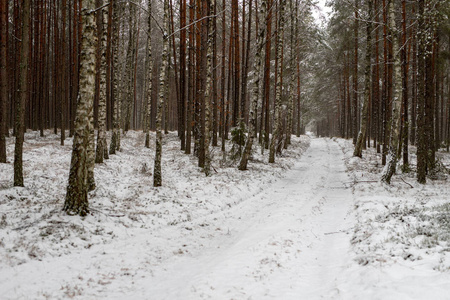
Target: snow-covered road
[
  {"x": 315, "y": 225},
  {"x": 288, "y": 242}
]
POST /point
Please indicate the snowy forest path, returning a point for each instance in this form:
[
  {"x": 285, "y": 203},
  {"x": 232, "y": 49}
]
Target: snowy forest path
[{"x": 290, "y": 241}]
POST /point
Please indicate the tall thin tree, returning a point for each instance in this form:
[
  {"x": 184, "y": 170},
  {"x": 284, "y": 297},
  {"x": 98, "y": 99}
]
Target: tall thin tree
[
  {"x": 22, "y": 93},
  {"x": 115, "y": 136},
  {"x": 76, "y": 202},
  {"x": 183, "y": 74},
  {"x": 209, "y": 82},
  {"x": 389, "y": 169},
  {"x": 148, "y": 76},
  {"x": 163, "y": 77},
  {"x": 278, "y": 86},
  {"x": 102, "y": 146},
  {"x": 255, "y": 96},
  {"x": 3, "y": 77},
  {"x": 367, "y": 72}
]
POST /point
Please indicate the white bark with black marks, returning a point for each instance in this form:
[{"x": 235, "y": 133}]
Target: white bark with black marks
[
  {"x": 102, "y": 146},
  {"x": 76, "y": 202},
  {"x": 392, "y": 158},
  {"x": 163, "y": 77},
  {"x": 255, "y": 99},
  {"x": 278, "y": 88}
]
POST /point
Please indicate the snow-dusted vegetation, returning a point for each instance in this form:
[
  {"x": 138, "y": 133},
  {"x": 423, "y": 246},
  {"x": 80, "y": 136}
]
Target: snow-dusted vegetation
[
  {"x": 372, "y": 240},
  {"x": 402, "y": 230}
]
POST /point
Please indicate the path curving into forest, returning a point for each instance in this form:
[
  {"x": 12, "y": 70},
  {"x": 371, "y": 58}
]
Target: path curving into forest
[{"x": 290, "y": 241}]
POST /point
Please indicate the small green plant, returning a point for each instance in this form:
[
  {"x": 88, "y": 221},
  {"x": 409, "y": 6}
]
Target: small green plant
[
  {"x": 406, "y": 168},
  {"x": 238, "y": 139}
]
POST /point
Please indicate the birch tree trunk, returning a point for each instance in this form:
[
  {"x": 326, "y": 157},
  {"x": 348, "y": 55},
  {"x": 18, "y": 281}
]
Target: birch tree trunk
[
  {"x": 148, "y": 77},
  {"x": 209, "y": 93},
  {"x": 255, "y": 99},
  {"x": 76, "y": 201},
  {"x": 278, "y": 87},
  {"x": 163, "y": 77},
  {"x": 392, "y": 158},
  {"x": 367, "y": 72},
  {"x": 102, "y": 146},
  {"x": 290, "y": 106},
  {"x": 245, "y": 59},
  {"x": 116, "y": 77},
  {"x": 91, "y": 150}
]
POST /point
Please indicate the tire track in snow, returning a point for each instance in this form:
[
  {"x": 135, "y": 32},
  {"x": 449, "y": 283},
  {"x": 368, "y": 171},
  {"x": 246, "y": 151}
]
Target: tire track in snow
[{"x": 287, "y": 242}]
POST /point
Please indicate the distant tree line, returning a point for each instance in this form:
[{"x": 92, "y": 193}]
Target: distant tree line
[{"x": 388, "y": 61}]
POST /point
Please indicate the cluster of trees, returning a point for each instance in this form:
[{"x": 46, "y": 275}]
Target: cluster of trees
[
  {"x": 256, "y": 69},
  {"x": 389, "y": 65},
  {"x": 206, "y": 68}
]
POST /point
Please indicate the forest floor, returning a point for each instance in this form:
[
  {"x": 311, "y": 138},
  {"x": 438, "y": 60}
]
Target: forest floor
[{"x": 317, "y": 224}]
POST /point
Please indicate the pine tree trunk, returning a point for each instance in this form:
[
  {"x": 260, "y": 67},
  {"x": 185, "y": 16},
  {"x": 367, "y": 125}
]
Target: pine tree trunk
[
  {"x": 198, "y": 83},
  {"x": 64, "y": 79},
  {"x": 349, "y": 108},
  {"x": 76, "y": 201},
  {"x": 267, "y": 76},
  {"x": 255, "y": 99},
  {"x": 297, "y": 58},
  {"x": 222, "y": 83},
  {"x": 355, "y": 79},
  {"x": 376, "y": 84},
  {"x": 174, "y": 67},
  {"x": 448, "y": 112},
  {"x": 22, "y": 93},
  {"x": 133, "y": 109},
  {"x": 413, "y": 79},
  {"x": 245, "y": 61},
  {"x": 190, "y": 92},
  {"x": 214, "y": 79},
  {"x": 3, "y": 77},
  {"x": 237, "y": 65},
  {"x": 109, "y": 99},
  {"x": 421, "y": 55},
  {"x": 392, "y": 158},
  {"x": 131, "y": 52},
  {"x": 404, "y": 63},
  {"x": 367, "y": 72},
  {"x": 278, "y": 86},
  {"x": 101, "y": 151},
  {"x": 429, "y": 88},
  {"x": 163, "y": 77},
  {"x": 385, "y": 96},
  {"x": 182, "y": 125}
]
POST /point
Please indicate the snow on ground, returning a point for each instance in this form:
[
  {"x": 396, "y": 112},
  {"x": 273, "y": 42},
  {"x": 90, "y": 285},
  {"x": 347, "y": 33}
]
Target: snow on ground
[
  {"x": 402, "y": 231},
  {"x": 314, "y": 225}
]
